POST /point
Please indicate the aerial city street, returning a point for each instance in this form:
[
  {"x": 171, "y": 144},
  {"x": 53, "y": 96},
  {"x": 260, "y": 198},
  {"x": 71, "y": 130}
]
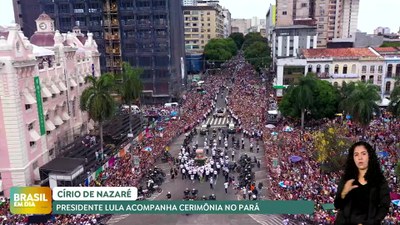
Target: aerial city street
[{"x": 201, "y": 101}]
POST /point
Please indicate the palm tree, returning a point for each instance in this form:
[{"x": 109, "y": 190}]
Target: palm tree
[
  {"x": 130, "y": 87},
  {"x": 360, "y": 102},
  {"x": 97, "y": 101},
  {"x": 304, "y": 96},
  {"x": 394, "y": 105}
]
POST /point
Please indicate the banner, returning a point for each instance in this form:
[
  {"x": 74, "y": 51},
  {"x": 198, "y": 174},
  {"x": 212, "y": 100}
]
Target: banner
[
  {"x": 39, "y": 105},
  {"x": 183, "y": 207}
]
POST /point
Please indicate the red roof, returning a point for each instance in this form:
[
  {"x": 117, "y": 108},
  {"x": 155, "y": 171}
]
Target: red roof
[
  {"x": 386, "y": 49},
  {"x": 338, "y": 53},
  {"x": 43, "y": 39}
]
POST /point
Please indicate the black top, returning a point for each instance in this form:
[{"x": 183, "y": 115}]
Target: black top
[{"x": 360, "y": 206}]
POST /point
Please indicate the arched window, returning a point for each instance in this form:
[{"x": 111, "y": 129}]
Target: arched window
[
  {"x": 353, "y": 69},
  {"x": 389, "y": 71},
  {"x": 326, "y": 68},
  {"x": 397, "y": 70},
  {"x": 318, "y": 69},
  {"x": 387, "y": 86},
  {"x": 364, "y": 69},
  {"x": 309, "y": 70},
  {"x": 371, "y": 79},
  {"x": 345, "y": 69},
  {"x": 336, "y": 69},
  {"x": 363, "y": 78}
]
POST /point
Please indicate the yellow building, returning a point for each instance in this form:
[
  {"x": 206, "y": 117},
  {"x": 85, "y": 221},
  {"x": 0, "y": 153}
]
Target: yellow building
[{"x": 202, "y": 23}]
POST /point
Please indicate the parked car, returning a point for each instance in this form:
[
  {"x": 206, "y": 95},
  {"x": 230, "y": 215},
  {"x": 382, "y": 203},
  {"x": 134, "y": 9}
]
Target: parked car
[{"x": 231, "y": 128}]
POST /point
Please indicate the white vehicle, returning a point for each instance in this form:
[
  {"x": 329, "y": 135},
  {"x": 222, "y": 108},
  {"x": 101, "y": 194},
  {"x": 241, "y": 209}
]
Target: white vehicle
[
  {"x": 171, "y": 104},
  {"x": 231, "y": 128},
  {"x": 134, "y": 108},
  {"x": 220, "y": 112}
]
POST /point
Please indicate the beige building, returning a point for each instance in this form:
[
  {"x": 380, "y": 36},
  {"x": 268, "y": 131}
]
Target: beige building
[
  {"x": 202, "y": 23},
  {"x": 333, "y": 18},
  {"x": 241, "y": 25}
]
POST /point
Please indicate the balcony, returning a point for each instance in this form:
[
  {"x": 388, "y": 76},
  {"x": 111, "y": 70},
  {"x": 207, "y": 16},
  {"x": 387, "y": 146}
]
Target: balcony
[
  {"x": 111, "y": 37},
  {"x": 114, "y": 51},
  {"x": 113, "y": 23}
]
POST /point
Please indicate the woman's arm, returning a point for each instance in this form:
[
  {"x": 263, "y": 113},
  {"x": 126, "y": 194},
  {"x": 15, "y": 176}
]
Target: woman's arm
[{"x": 384, "y": 202}]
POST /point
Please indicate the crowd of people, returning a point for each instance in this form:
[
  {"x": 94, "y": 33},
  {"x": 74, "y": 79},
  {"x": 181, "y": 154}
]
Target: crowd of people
[{"x": 305, "y": 180}]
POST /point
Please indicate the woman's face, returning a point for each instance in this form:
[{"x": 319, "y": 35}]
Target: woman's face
[{"x": 361, "y": 157}]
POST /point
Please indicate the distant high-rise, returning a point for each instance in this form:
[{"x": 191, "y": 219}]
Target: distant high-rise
[
  {"x": 188, "y": 2},
  {"x": 227, "y": 22},
  {"x": 382, "y": 30},
  {"x": 333, "y": 18},
  {"x": 147, "y": 34}
]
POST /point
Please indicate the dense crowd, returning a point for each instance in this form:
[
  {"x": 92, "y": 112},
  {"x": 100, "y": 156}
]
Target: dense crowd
[{"x": 304, "y": 180}]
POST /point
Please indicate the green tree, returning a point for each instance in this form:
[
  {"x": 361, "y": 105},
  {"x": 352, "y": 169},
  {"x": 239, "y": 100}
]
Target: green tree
[
  {"x": 130, "y": 87},
  {"x": 252, "y": 37},
  {"x": 360, "y": 102},
  {"x": 258, "y": 54},
  {"x": 326, "y": 100},
  {"x": 220, "y": 49},
  {"x": 97, "y": 101},
  {"x": 299, "y": 98},
  {"x": 394, "y": 105},
  {"x": 238, "y": 38},
  {"x": 390, "y": 44}
]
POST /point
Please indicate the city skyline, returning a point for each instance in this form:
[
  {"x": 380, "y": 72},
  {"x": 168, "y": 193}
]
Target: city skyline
[{"x": 366, "y": 23}]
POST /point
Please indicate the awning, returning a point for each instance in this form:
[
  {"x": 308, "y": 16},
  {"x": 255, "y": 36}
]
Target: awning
[
  {"x": 34, "y": 135},
  {"x": 29, "y": 100},
  {"x": 54, "y": 89},
  {"x": 50, "y": 126},
  {"x": 45, "y": 92},
  {"x": 73, "y": 82},
  {"x": 65, "y": 116},
  {"x": 58, "y": 121},
  {"x": 81, "y": 80},
  {"x": 62, "y": 86},
  {"x": 29, "y": 121}
]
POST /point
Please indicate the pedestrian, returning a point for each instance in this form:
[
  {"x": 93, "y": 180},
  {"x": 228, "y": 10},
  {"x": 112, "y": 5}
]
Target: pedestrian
[
  {"x": 211, "y": 182},
  {"x": 226, "y": 184},
  {"x": 183, "y": 173},
  {"x": 363, "y": 194},
  {"x": 233, "y": 155}
]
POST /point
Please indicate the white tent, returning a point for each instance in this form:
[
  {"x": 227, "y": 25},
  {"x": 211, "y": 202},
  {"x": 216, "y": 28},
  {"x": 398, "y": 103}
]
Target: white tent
[
  {"x": 273, "y": 112},
  {"x": 40, "y": 51}
]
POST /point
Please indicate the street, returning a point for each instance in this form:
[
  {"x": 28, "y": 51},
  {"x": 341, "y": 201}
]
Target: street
[{"x": 178, "y": 185}]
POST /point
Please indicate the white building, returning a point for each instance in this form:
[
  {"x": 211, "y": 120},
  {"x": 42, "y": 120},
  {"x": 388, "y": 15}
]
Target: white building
[{"x": 227, "y": 22}]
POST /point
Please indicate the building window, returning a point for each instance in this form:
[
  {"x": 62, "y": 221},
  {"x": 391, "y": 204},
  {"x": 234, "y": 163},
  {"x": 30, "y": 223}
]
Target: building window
[
  {"x": 61, "y": 92},
  {"x": 30, "y": 126},
  {"x": 379, "y": 77},
  {"x": 32, "y": 144},
  {"x": 336, "y": 69},
  {"x": 372, "y": 69},
  {"x": 284, "y": 13},
  {"x": 363, "y": 78},
  {"x": 353, "y": 68},
  {"x": 364, "y": 69},
  {"x": 345, "y": 69},
  {"x": 27, "y": 107},
  {"x": 371, "y": 79},
  {"x": 387, "y": 87},
  {"x": 326, "y": 68},
  {"x": 53, "y": 96},
  {"x": 380, "y": 69},
  {"x": 389, "y": 70},
  {"x": 318, "y": 69},
  {"x": 397, "y": 70},
  {"x": 309, "y": 70},
  {"x": 44, "y": 99},
  {"x": 303, "y": 4}
]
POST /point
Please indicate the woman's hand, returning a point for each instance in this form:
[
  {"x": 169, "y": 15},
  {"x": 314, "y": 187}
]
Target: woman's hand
[{"x": 348, "y": 187}]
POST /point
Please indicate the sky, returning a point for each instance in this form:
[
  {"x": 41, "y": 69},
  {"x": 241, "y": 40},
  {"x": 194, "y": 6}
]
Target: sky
[{"x": 371, "y": 13}]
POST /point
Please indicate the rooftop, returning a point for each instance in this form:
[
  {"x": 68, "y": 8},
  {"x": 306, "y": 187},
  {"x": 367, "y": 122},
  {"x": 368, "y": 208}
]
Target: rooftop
[{"x": 338, "y": 53}]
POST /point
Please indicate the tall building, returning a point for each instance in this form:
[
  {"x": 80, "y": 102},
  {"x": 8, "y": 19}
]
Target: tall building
[
  {"x": 147, "y": 34},
  {"x": 40, "y": 86},
  {"x": 25, "y": 13},
  {"x": 241, "y": 25},
  {"x": 333, "y": 18},
  {"x": 270, "y": 22},
  {"x": 382, "y": 30},
  {"x": 227, "y": 22},
  {"x": 202, "y": 23}
]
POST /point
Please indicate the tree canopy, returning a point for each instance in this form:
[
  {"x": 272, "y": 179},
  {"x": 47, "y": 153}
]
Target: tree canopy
[
  {"x": 220, "y": 49},
  {"x": 317, "y": 98},
  {"x": 258, "y": 54},
  {"x": 238, "y": 38}
]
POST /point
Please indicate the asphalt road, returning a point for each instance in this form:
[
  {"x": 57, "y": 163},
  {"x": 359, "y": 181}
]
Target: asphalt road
[{"x": 177, "y": 186}]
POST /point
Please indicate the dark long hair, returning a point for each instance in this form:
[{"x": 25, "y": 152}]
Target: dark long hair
[{"x": 373, "y": 175}]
